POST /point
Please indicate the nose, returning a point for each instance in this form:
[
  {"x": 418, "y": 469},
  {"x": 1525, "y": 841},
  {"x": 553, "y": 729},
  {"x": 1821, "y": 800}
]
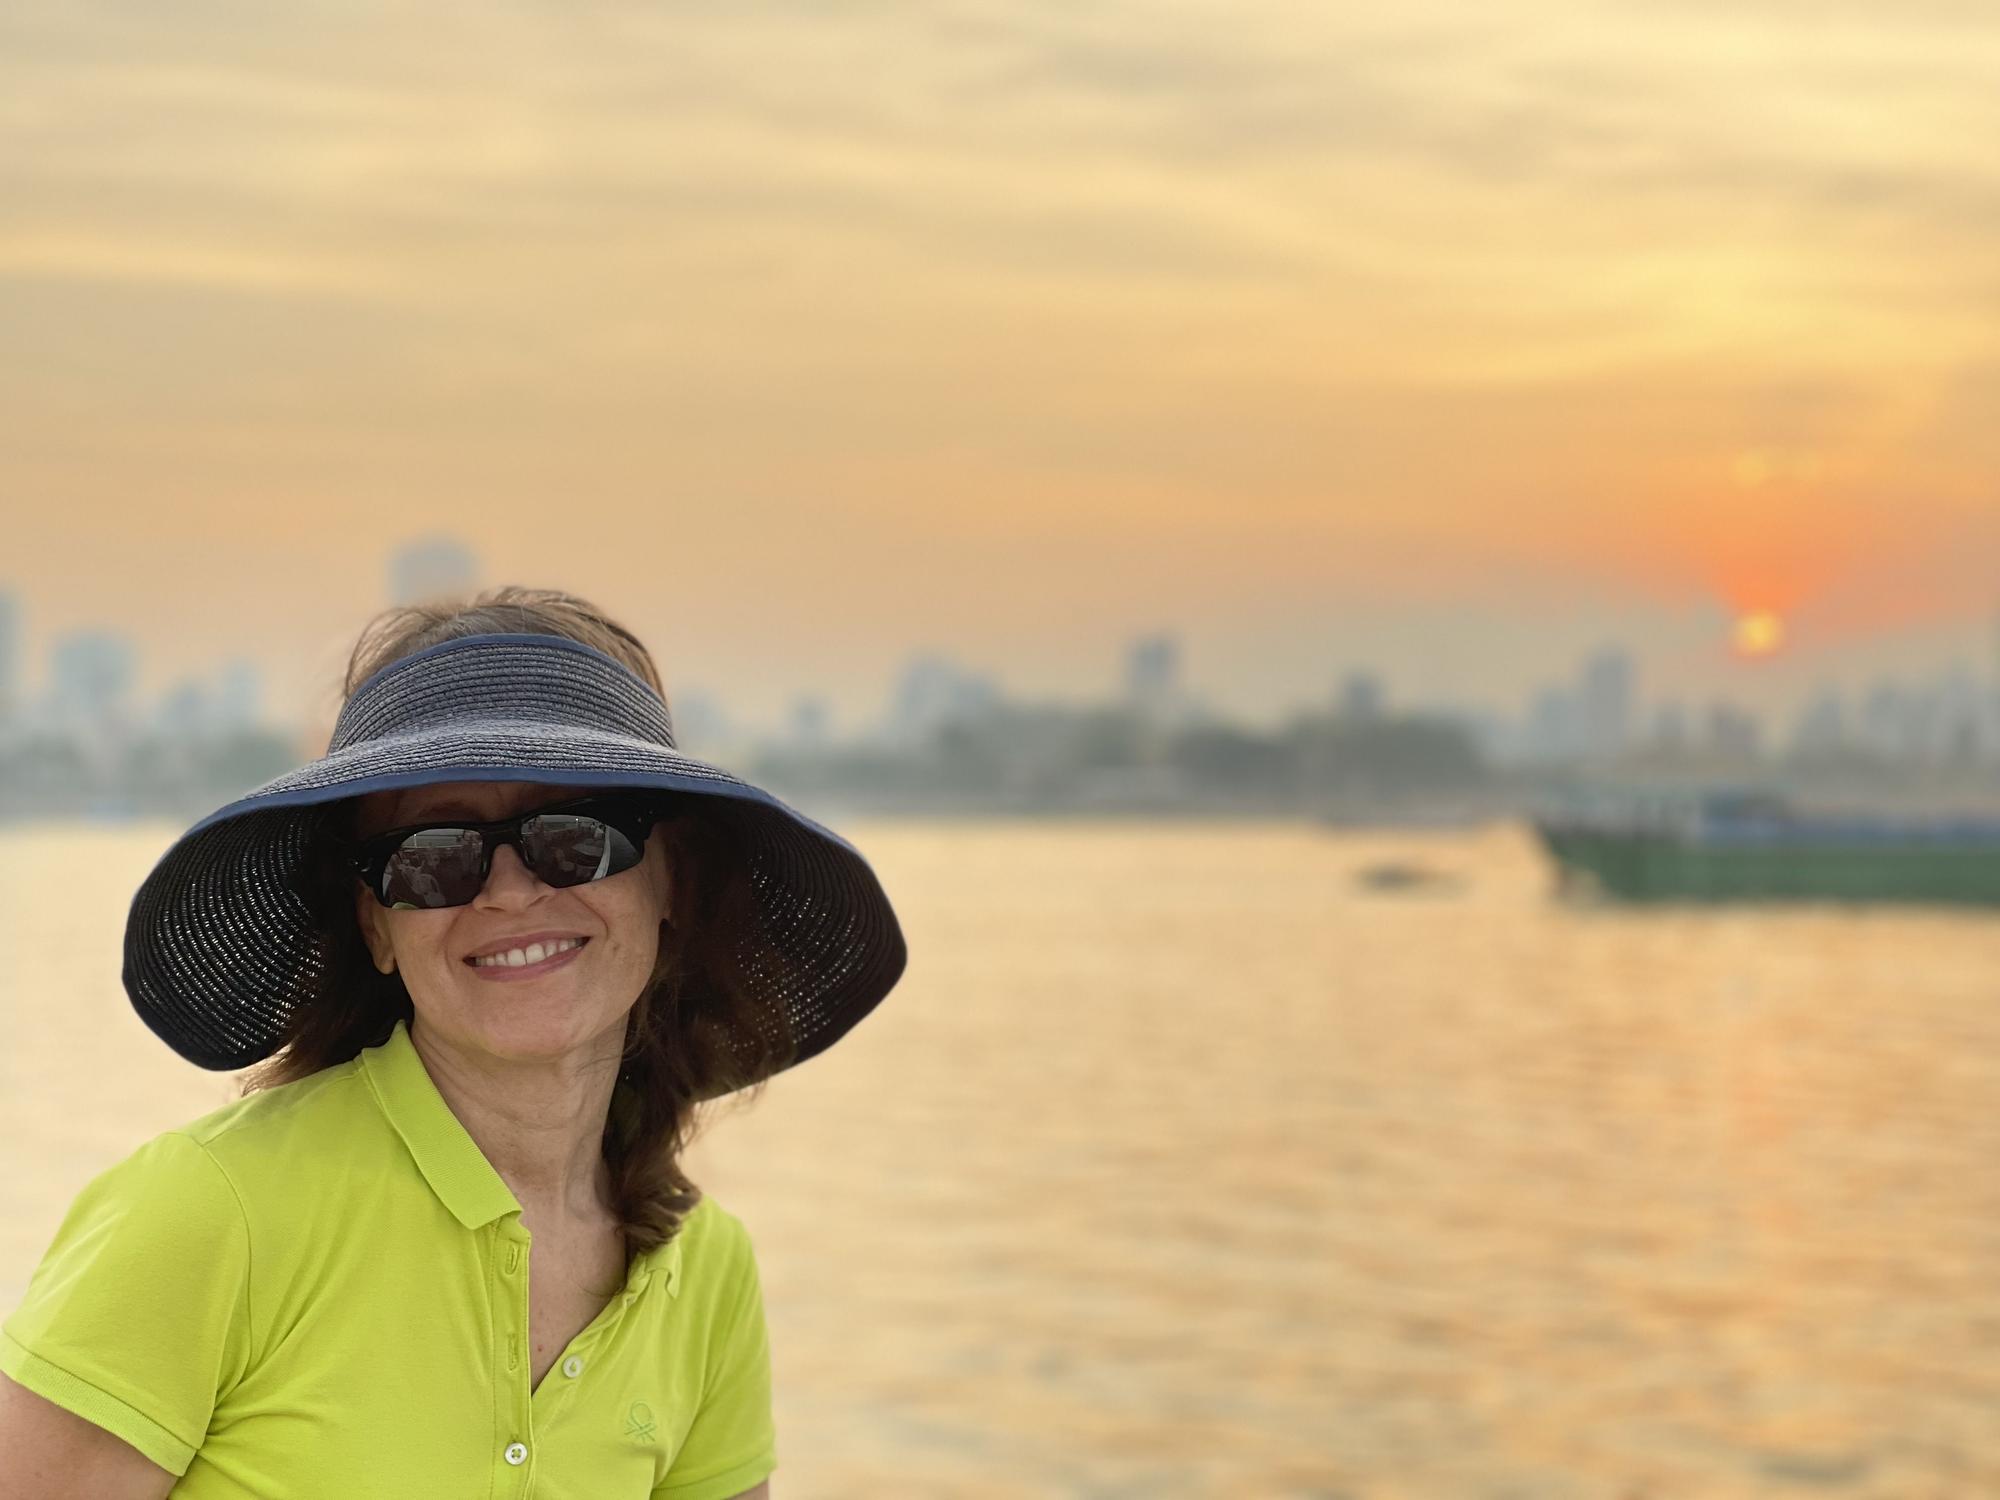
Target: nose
[{"x": 510, "y": 875}]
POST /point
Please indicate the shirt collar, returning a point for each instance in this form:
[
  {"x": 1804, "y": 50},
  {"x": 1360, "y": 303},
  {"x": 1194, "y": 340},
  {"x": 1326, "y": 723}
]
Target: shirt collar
[{"x": 451, "y": 1162}]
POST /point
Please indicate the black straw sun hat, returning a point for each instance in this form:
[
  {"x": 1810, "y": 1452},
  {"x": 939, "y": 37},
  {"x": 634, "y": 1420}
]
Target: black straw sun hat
[{"x": 221, "y": 945}]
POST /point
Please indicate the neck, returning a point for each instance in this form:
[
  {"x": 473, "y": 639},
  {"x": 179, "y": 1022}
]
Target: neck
[{"x": 541, "y": 1123}]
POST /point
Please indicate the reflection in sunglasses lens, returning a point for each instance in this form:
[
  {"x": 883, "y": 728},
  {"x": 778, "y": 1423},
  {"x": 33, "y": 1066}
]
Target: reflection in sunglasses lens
[{"x": 437, "y": 867}]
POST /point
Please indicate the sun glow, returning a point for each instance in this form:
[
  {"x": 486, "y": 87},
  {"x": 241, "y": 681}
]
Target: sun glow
[{"x": 1759, "y": 633}]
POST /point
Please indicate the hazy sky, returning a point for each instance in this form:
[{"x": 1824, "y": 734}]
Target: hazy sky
[{"x": 805, "y": 336}]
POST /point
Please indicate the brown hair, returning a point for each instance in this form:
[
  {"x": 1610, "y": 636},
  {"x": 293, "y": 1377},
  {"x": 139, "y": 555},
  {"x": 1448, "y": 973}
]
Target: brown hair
[{"x": 696, "y": 1031}]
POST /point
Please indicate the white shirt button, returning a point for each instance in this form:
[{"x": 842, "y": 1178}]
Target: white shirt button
[
  {"x": 517, "y": 1453},
  {"x": 572, "y": 1367}
]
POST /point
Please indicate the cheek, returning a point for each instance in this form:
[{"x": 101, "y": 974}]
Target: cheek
[
  {"x": 636, "y": 924},
  {"x": 644, "y": 901},
  {"x": 632, "y": 921},
  {"x": 417, "y": 941}
]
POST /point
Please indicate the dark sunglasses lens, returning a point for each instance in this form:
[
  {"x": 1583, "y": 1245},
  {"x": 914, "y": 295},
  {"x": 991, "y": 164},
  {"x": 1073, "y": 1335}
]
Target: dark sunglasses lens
[
  {"x": 440, "y": 866},
  {"x": 435, "y": 867},
  {"x": 572, "y": 849}
]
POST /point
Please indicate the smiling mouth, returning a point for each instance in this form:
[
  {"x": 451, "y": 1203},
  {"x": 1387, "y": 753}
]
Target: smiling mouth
[{"x": 529, "y": 960}]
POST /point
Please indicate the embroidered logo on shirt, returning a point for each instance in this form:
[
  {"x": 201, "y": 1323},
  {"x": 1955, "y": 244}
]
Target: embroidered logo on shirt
[{"x": 639, "y": 1422}]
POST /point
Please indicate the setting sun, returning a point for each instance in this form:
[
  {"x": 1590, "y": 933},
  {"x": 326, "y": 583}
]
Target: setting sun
[{"x": 1759, "y": 634}]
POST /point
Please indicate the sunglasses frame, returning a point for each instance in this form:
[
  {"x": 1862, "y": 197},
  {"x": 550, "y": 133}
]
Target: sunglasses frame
[{"x": 630, "y": 813}]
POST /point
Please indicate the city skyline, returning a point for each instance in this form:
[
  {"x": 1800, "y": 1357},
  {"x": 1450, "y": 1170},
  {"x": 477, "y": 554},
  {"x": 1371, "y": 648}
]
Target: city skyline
[
  {"x": 1593, "y": 708},
  {"x": 1258, "y": 667}
]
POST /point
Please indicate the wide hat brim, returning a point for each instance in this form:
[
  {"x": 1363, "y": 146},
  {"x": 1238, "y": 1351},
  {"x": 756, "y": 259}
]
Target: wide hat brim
[{"x": 221, "y": 945}]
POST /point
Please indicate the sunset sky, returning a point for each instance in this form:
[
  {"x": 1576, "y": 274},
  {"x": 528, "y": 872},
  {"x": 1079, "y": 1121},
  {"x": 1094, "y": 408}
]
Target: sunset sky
[{"x": 803, "y": 337}]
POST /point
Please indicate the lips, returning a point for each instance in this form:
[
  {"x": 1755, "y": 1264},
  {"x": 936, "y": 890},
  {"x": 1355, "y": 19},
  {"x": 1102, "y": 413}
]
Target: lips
[
  {"x": 524, "y": 940},
  {"x": 553, "y": 960}
]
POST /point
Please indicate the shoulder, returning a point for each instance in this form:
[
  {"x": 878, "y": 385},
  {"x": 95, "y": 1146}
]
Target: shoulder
[
  {"x": 268, "y": 1146},
  {"x": 711, "y": 1227},
  {"x": 714, "y": 1243},
  {"x": 711, "y": 1268},
  {"x": 170, "y": 1187},
  {"x": 284, "y": 1139},
  {"x": 270, "y": 1119}
]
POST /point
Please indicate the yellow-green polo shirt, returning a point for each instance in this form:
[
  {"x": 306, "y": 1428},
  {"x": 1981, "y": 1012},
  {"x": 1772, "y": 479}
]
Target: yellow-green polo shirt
[{"x": 322, "y": 1290}]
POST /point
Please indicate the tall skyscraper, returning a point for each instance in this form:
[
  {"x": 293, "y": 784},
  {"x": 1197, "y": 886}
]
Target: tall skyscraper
[
  {"x": 1152, "y": 675},
  {"x": 1604, "y": 703}
]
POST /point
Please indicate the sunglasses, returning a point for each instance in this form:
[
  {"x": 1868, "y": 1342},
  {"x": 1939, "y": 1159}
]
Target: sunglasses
[{"x": 431, "y": 865}]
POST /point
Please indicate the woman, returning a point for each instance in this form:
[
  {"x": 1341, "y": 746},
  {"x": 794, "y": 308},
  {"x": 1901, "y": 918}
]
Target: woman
[{"x": 491, "y": 951}]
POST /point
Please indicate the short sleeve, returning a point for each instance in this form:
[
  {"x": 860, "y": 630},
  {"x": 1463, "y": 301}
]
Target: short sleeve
[
  {"x": 137, "y": 1318},
  {"x": 732, "y": 1443}
]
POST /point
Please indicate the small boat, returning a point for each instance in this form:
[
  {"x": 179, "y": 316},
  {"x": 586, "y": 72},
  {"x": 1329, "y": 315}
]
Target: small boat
[
  {"x": 1400, "y": 875},
  {"x": 1753, "y": 844}
]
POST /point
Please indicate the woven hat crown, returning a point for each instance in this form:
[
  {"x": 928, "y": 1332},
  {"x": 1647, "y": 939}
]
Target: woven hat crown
[{"x": 503, "y": 678}]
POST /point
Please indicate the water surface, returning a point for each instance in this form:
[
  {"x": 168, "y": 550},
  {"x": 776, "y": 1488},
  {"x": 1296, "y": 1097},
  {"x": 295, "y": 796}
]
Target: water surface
[{"x": 1183, "y": 1162}]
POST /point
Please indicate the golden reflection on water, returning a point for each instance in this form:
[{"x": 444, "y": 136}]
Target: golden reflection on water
[{"x": 1182, "y": 1162}]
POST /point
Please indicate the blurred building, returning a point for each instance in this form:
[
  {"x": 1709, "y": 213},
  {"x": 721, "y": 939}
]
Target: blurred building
[
  {"x": 1732, "y": 733},
  {"x": 931, "y": 692},
  {"x": 701, "y": 724},
  {"x": 809, "y": 723},
  {"x": 1152, "y": 674},
  {"x": 1361, "y": 698},
  {"x": 1671, "y": 731},
  {"x": 185, "y": 711},
  {"x": 1554, "y": 730},
  {"x": 239, "y": 698},
  {"x": 1821, "y": 727},
  {"x": 1154, "y": 687},
  {"x": 91, "y": 675},
  {"x": 1887, "y": 721},
  {"x": 435, "y": 567},
  {"x": 1604, "y": 701},
  {"x": 193, "y": 708},
  {"x": 1590, "y": 718},
  {"x": 1487, "y": 730},
  {"x": 1952, "y": 722},
  {"x": 1194, "y": 710}
]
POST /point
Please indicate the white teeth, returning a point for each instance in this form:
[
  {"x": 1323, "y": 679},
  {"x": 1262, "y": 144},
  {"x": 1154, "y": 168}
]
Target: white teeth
[{"x": 534, "y": 953}]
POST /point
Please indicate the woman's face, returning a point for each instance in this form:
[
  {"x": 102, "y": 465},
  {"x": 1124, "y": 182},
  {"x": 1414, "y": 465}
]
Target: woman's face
[{"x": 578, "y": 1006}]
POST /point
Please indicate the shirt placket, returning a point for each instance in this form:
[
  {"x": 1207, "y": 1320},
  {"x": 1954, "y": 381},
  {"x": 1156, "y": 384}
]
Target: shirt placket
[
  {"x": 516, "y": 1405},
  {"x": 513, "y": 1415}
]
